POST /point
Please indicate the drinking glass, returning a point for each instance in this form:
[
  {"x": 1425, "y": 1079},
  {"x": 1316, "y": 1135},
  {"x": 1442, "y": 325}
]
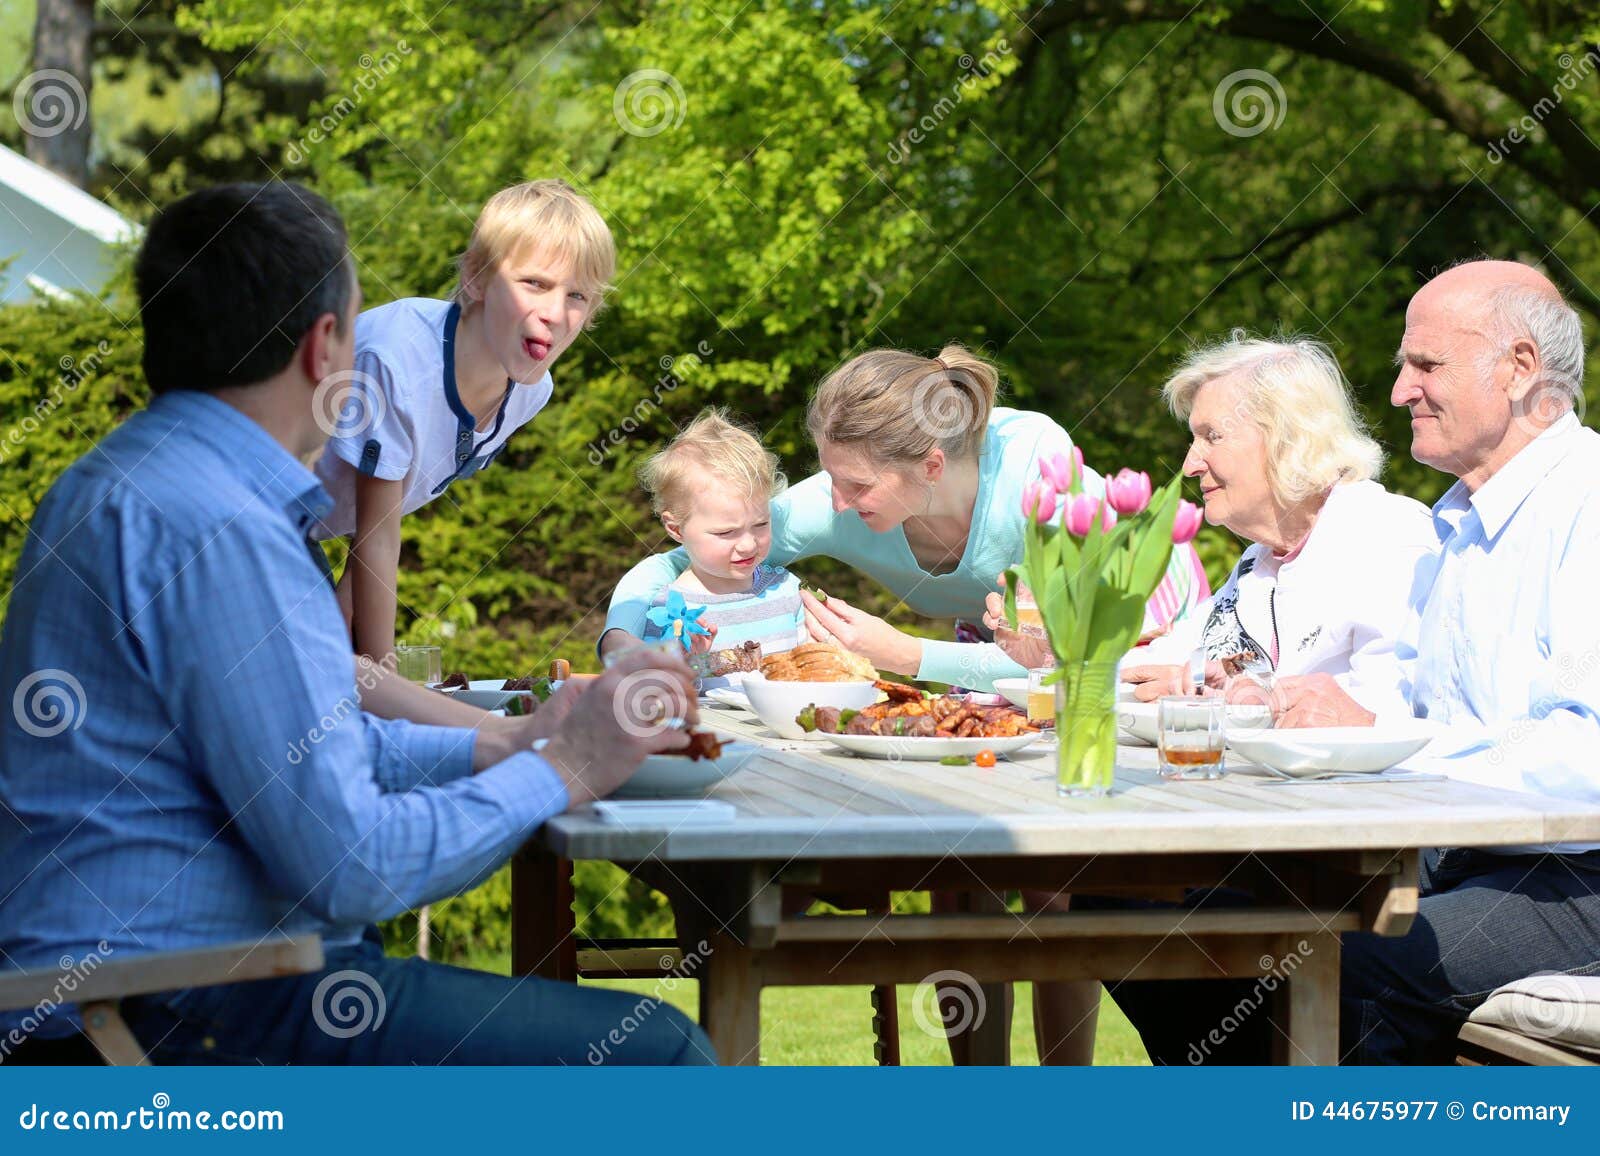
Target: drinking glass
[
  {"x": 1041, "y": 698},
  {"x": 1029, "y": 620},
  {"x": 424, "y": 664},
  {"x": 1191, "y": 735}
]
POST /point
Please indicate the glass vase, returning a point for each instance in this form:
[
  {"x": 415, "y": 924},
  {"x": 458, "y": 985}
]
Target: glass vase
[{"x": 1086, "y": 729}]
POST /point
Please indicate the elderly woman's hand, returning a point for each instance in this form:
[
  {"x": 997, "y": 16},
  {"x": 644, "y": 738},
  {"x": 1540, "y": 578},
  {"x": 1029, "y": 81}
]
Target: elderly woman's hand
[
  {"x": 1153, "y": 680},
  {"x": 1027, "y": 650},
  {"x": 838, "y": 622}
]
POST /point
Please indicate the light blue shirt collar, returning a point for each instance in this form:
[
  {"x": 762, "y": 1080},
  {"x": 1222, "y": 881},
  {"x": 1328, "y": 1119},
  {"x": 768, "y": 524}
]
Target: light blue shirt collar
[
  {"x": 269, "y": 469},
  {"x": 1503, "y": 494}
]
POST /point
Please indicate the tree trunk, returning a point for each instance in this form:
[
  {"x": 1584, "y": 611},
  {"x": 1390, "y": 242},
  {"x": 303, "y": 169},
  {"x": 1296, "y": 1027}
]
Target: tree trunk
[{"x": 53, "y": 104}]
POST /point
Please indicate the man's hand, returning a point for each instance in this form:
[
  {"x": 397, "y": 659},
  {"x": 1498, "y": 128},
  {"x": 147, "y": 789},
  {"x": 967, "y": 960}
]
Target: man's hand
[
  {"x": 1316, "y": 700},
  {"x": 838, "y": 622},
  {"x": 620, "y": 718}
]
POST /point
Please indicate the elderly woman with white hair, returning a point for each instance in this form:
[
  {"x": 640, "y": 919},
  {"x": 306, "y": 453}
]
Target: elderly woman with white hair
[{"x": 1335, "y": 561}]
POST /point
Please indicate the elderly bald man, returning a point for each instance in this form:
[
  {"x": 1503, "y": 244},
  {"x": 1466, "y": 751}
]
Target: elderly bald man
[{"x": 1507, "y": 665}]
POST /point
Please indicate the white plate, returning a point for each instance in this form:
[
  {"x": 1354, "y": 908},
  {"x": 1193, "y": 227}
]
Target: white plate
[
  {"x": 1244, "y": 721},
  {"x": 728, "y": 696},
  {"x": 926, "y": 749},
  {"x": 485, "y": 693},
  {"x": 1016, "y": 690},
  {"x": 668, "y": 776},
  {"x": 1320, "y": 750},
  {"x": 776, "y": 703}
]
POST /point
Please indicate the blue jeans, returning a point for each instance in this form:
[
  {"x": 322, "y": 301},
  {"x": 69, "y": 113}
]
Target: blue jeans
[
  {"x": 1483, "y": 920},
  {"x": 431, "y": 1013}
]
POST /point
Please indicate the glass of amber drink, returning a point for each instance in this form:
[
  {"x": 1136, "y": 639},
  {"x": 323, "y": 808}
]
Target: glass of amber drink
[
  {"x": 1191, "y": 736},
  {"x": 1029, "y": 620}
]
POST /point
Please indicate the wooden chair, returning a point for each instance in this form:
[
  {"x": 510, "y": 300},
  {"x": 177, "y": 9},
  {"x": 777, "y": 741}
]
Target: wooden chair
[
  {"x": 1542, "y": 1020},
  {"x": 1482, "y": 1045},
  {"x": 98, "y": 993}
]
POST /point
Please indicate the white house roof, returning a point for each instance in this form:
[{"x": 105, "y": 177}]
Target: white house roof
[{"x": 56, "y": 235}]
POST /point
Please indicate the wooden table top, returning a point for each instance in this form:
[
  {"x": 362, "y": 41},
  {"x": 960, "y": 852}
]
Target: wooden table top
[{"x": 812, "y": 801}]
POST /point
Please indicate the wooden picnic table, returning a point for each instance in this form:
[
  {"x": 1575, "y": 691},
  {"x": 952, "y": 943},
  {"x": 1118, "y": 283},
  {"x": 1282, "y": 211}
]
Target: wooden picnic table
[{"x": 1319, "y": 859}]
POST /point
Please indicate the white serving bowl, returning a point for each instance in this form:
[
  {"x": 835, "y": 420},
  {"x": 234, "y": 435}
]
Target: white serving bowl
[
  {"x": 674, "y": 776},
  {"x": 776, "y": 703},
  {"x": 1244, "y": 721},
  {"x": 1344, "y": 750},
  {"x": 1015, "y": 690},
  {"x": 485, "y": 694}
]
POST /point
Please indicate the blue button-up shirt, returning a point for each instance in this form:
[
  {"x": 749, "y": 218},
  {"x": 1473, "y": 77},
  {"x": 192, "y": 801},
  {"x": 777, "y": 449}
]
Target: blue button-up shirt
[
  {"x": 185, "y": 762},
  {"x": 1508, "y": 642}
]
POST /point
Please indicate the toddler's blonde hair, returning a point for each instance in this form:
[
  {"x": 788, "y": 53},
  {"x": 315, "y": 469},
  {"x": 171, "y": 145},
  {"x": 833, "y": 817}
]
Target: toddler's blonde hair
[
  {"x": 709, "y": 445},
  {"x": 549, "y": 213}
]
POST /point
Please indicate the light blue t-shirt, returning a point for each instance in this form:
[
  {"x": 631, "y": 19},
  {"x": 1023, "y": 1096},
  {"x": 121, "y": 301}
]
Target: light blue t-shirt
[
  {"x": 804, "y": 525},
  {"x": 769, "y": 612}
]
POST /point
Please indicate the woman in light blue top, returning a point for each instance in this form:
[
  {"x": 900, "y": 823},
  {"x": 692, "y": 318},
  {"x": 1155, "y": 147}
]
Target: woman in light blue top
[{"x": 921, "y": 489}]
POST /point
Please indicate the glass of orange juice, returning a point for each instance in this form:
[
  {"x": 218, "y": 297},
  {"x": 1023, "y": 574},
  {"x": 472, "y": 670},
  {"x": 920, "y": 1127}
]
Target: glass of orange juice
[{"x": 1041, "y": 698}]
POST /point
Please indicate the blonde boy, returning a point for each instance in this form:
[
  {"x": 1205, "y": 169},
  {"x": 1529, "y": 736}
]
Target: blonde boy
[
  {"x": 439, "y": 386},
  {"x": 711, "y": 489}
]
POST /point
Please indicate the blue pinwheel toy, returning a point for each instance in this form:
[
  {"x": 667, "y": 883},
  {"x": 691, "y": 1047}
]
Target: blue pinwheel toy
[{"x": 677, "y": 618}]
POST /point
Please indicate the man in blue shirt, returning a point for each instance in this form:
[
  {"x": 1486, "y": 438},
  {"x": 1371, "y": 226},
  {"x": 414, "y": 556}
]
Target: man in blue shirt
[
  {"x": 1507, "y": 668},
  {"x": 186, "y": 763}
]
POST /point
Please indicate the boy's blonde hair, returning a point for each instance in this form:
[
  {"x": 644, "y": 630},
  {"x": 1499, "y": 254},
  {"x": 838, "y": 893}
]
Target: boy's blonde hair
[
  {"x": 550, "y": 213},
  {"x": 896, "y": 406},
  {"x": 710, "y": 444}
]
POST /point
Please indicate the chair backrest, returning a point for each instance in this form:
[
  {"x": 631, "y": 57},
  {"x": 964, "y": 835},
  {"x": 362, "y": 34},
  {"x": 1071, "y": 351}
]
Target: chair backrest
[{"x": 115, "y": 978}]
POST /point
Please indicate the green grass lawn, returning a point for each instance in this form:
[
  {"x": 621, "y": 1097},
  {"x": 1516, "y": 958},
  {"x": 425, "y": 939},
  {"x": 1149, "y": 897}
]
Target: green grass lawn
[{"x": 833, "y": 1025}]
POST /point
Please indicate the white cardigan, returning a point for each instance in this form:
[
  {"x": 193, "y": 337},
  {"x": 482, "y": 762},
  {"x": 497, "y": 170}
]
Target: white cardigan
[{"x": 1337, "y": 607}]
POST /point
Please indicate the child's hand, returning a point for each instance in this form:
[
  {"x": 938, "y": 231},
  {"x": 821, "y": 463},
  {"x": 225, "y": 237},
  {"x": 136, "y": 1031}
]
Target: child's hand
[{"x": 703, "y": 643}]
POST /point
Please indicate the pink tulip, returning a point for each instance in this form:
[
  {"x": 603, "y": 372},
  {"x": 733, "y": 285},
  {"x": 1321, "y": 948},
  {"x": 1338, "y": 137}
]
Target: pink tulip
[
  {"x": 1187, "y": 524},
  {"x": 1039, "y": 502},
  {"x": 1081, "y": 512},
  {"x": 1129, "y": 492},
  {"x": 1057, "y": 470}
]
